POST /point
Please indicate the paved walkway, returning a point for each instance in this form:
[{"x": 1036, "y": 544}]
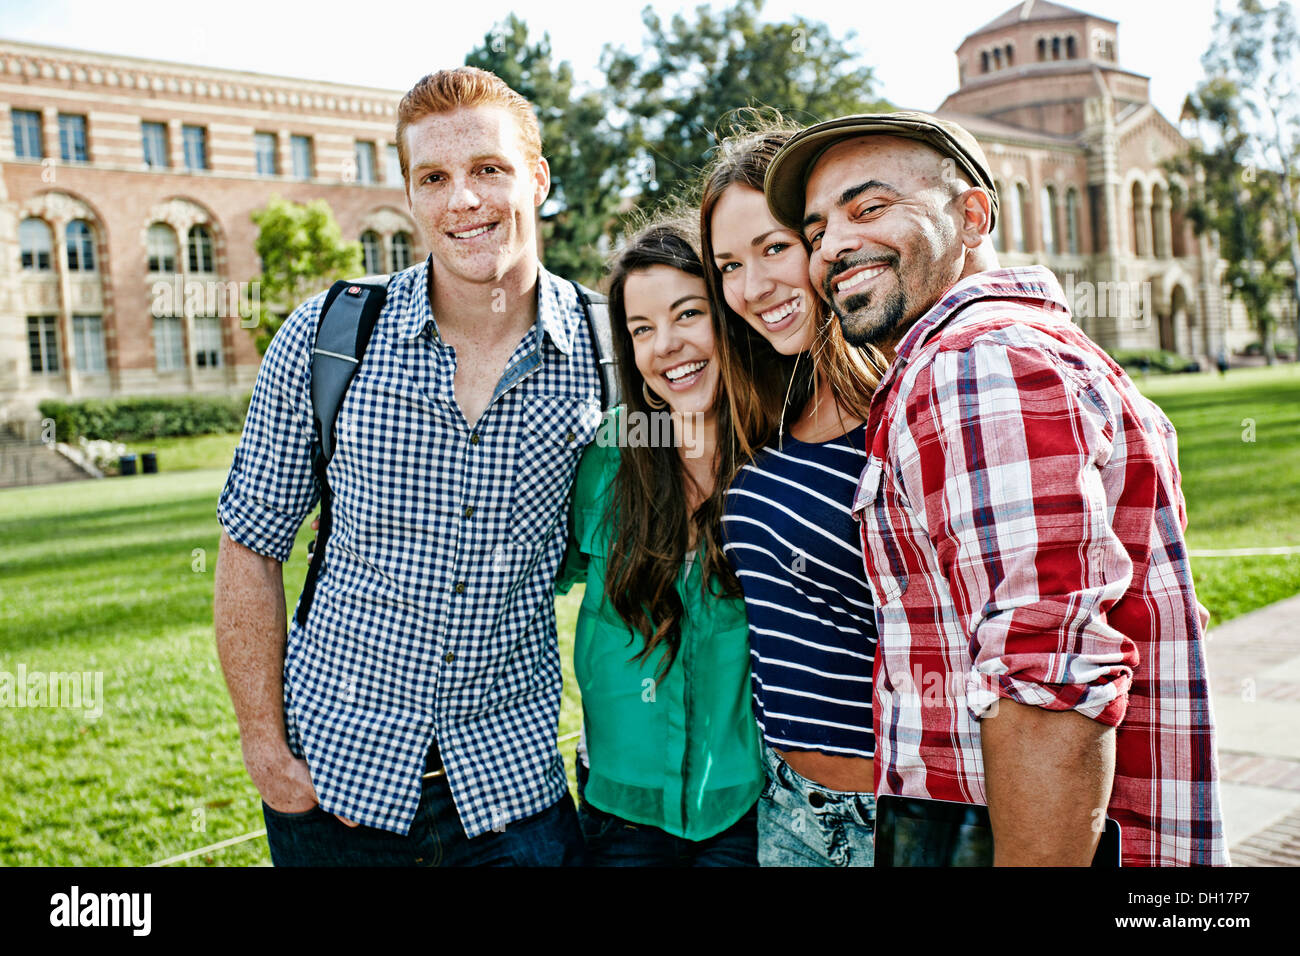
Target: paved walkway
[{"x": 1254, "y": 663}]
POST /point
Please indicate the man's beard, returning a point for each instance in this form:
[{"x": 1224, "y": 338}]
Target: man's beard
[{"x": 861, "y": 330}]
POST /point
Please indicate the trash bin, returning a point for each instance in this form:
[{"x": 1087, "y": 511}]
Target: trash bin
[
  {"x": 126, "y": 465},
  {"x": 149, "y": 463}
]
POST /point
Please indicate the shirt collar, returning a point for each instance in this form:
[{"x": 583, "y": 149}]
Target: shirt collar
[
  {"x": 558, "y": 308},
  {"x": 1030, "y": 283}
]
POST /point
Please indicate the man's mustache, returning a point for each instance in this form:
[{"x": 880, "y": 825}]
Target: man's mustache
[{"x": 841, "y": 266}]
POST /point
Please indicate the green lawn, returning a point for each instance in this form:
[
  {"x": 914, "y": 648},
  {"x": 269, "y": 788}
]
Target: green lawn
[
  {"x": 115, "y": 577},
  {"x": 1239, "y": 451}
]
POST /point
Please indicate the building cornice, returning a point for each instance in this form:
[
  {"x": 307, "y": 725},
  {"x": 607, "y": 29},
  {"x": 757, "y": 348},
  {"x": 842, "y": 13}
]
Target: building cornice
[{"x": 56, "y": 67}]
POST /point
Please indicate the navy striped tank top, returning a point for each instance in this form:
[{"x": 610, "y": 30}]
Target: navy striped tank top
[{"x": 797, "y": 551}]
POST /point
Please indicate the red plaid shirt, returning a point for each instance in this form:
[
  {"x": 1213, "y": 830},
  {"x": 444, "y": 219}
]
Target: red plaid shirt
[{"x": 1022, "y": 525}]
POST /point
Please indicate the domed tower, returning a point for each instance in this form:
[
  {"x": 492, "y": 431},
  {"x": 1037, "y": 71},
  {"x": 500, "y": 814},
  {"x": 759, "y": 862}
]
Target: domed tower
[{"x": 1078, "y": 154}]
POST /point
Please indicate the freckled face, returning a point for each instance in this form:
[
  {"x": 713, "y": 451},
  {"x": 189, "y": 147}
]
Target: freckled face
[
  {"x": 671, "y": 327},
  {"x": 473, "y": 192}
]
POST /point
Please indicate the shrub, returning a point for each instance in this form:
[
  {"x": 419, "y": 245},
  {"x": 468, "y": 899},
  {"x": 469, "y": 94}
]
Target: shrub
[
  {"x": 137, "y": 419},
  {"x": 1153, "y": 360}
]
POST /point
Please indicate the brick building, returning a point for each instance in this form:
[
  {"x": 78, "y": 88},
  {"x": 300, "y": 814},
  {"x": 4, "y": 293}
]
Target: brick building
[
  {"x": 1077, "y": 150},
  {"x": 126, "y": 187}
]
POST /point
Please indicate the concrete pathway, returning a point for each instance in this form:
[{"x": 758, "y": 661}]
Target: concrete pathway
[{"x": 1254, "y": 664}]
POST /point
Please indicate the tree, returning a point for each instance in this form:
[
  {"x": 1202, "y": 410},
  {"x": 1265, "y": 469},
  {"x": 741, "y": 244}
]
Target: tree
[
  {"x": 302, "y": 250},
  {"x": 695, "y": 73},
  {"x": 1250, "y": 103},
  {"x": 588, "y": 159}
]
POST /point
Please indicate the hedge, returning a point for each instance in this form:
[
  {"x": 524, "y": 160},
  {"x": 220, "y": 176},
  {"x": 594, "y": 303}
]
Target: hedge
[
  {"x": 137, "y": 419},
  {"x": 1153, "y": 360}
]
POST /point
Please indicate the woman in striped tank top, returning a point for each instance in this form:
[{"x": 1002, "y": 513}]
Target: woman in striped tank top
[{"x": 787, "y": 528}]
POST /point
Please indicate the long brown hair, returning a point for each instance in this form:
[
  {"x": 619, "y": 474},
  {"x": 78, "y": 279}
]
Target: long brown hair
[
  {"x": 648, "y": 506},
  {"x": 764, "y": 387}
]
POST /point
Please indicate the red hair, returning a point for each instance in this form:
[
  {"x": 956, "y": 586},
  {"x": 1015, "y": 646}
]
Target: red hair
[{"x": 463, "y": 87}]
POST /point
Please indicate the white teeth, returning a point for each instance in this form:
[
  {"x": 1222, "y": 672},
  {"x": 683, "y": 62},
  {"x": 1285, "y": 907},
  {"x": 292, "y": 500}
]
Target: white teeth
[
  {"x": 682, "y": 371},
  {"x": 854, "y": 281},
  {"x": 472, "y": 233},
  {"x": 779, "y": 315}
]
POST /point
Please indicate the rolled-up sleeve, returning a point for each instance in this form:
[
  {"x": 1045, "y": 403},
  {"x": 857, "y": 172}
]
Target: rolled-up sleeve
[
  {"x": 270, "y": 488},
  {"x": 1008, "y": 468}
]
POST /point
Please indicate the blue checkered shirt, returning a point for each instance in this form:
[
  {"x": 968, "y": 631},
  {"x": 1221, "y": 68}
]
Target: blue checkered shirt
[{"x": 433, "y": 616}]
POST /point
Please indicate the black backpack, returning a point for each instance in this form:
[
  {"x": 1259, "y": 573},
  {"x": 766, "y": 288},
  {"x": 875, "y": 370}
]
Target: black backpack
[{"x": 347, "y": 320}]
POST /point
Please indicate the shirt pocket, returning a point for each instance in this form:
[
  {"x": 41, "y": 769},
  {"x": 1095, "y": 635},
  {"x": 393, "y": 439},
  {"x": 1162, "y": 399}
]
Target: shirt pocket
[
  {"x": 556, "y": 430},
  {"x": 881, "y": 555}
]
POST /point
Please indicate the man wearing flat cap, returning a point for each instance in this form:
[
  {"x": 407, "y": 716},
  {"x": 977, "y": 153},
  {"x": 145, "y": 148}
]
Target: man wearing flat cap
[{"x": 1041, "y": 645}]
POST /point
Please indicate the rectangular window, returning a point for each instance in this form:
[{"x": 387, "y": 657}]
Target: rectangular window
[
  {"x": 392, "y": 165},
  {"x": 300, "y": 147},
  {"x": 72, "y": 138},
  {"x": 195, "y": 139},
  {"x": 153, "y": 139},
  {"x": 43, "y": 342},
  {"x": 207, "y": 342},
  {"x": 168, "y": 344},
  {"x": 88, "y": 342},
  {"x": 27, "y": 134},
  {"x": 364, "y": 154},
  {"x": 264, "y": 146}
]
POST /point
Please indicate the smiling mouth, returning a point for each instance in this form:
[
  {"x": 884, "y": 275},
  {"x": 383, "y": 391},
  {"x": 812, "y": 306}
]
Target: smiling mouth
[
  {"x": 685, "y": 375},
  {"x": 780, "y": 313},
  {"x": 859, "y": 278},
  {"x": 475, "y": 232}
]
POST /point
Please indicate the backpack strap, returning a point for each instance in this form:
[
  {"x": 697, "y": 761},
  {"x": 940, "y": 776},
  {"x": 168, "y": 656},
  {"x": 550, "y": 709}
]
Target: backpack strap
[
  {"x": 596, "y": 308},
  {"x": 347, "y": 320}
]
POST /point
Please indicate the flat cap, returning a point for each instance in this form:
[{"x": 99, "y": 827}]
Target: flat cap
[{"x": 787, "y": 177}]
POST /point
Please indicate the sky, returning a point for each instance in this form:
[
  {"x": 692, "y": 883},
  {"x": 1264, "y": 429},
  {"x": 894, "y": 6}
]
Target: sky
[{"x": 909, "y": 44}]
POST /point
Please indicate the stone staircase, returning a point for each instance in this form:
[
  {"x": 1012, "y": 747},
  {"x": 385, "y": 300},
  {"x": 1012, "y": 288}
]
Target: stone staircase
[{"x": 32, "y": 462}]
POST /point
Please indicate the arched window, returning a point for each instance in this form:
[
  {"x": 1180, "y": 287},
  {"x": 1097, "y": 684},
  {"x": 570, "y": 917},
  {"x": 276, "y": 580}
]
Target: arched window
[
  {"x": 1072, "y": 221},
  {"x": 997, "y": 59},
  {"x": 401, "y": 251},
  {"x": 1019, "y": 237},
  {"x": 371, "y": 255},
  {"x": 160, "y": 242},
  {"x": 984, "y": 61},
  {"x": 1042, "y": 48},
  {"x": 1070, "y": 52},
  {"x": 36, "y": 243},
  {"x": 1049, "y": 221},
  {"x": 1138, "y": 221},
  {"x": 81, "y": 246},
  {"x": 1011, "y": 56},
  {"x": 1056, "y": 48},
  {"x": 200, "y": 249},
  {"x": 998, "y": 232},
  {"x": 1177, "y": 223},
  {"x": 1159, "y": 221}
]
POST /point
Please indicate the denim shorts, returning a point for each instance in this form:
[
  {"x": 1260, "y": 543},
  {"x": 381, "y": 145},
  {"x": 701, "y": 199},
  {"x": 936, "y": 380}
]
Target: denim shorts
[{"x": 801, "y": 823}]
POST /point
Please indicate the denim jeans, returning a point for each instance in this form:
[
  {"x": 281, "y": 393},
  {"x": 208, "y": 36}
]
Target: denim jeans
[
  {"x": 318, "y": 838},
  {"x": 613, "y": 841},
  {"x": 801, "y": 823}
]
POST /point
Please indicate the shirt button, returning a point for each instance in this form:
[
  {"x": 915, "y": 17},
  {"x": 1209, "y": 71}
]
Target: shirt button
[
  {"x": 469, "y": 511},
  {"x": 449, "y": 657},
  {"x": 460, "y": 587},
  {"x": 816, "y": 800},
  {"x": 570, "y": 437},
  {"x": 473, "y": 439}
]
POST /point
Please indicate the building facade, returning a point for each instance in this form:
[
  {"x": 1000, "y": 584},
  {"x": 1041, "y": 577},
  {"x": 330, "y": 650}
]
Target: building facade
[
  {"x": 126, "y": 191},
  {"x": 1078, "y": 153}
]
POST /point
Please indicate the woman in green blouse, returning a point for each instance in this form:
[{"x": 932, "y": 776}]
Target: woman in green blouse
[{"x": 662, "y": 650}]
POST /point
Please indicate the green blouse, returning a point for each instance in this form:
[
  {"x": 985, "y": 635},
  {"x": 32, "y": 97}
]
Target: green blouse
[{"x": 682, "y": 755}]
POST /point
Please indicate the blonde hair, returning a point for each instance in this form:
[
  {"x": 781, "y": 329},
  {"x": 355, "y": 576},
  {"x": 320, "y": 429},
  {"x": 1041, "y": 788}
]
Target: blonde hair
[{"x": 464, "y": 87}]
